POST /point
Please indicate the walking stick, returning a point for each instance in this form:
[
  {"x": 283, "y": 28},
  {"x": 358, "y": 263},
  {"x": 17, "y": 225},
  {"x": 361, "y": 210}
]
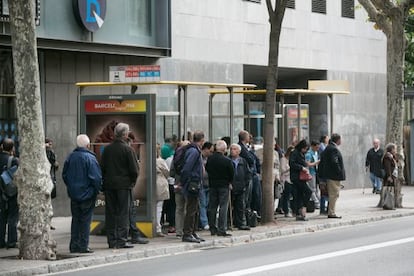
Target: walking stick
[{"x": 230, "y": 211}]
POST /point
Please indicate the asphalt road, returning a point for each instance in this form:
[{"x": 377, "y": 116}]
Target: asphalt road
[{"x": 380, "y": 248}]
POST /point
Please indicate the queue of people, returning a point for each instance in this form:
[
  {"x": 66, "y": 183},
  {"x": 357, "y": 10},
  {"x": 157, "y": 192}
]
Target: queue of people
[{"x": 199, "y": 185}]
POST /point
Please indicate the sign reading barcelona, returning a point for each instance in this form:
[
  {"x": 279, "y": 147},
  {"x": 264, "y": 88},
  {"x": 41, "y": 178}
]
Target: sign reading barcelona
[
  {"x": 90, "y": 13},
  {"x": 118, "y": 106}
]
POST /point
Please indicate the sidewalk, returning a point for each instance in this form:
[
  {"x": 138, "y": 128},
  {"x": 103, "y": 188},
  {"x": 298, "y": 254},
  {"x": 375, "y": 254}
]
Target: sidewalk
[{"x": 354, "y": 207}]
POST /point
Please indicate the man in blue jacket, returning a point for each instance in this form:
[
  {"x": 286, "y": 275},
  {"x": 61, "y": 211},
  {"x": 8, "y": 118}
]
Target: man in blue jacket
[
  {"x": 83, "y": 178},
  {"x": 191, "y": 177}
]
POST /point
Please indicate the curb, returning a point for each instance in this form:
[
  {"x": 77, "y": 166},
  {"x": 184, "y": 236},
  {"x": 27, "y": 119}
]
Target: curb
[{"x": 162, "y": 250}]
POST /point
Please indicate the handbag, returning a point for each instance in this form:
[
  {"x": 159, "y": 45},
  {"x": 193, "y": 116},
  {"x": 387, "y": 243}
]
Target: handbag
[
  {"x": 305, "y": 175},
  {"x": 389, "y": 200},
  {"x": 194, "y": 187}
]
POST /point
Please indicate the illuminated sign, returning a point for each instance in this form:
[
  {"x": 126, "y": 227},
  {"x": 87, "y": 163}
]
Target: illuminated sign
[
  {"x": 90, "y": 13},
  {"x": 118, "y": 106}
]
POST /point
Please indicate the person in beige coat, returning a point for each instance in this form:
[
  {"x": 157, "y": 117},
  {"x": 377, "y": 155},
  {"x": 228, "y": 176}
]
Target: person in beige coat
[{"x": 161, "y": 188}]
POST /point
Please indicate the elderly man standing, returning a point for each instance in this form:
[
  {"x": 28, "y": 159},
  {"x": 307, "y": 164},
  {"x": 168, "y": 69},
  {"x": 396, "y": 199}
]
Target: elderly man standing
[
  {"x": 332, "y": 168},
  {"x": 83, "y": 178},
  {"x": 120, "y": 172},
  {"x": 191, "y": 178},
  {"x": 373, "y": 164},
  {"x": 220, "y": 176}
]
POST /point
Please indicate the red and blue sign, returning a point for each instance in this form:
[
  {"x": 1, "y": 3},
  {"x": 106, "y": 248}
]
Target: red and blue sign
[{"x": 90, "y": 13}]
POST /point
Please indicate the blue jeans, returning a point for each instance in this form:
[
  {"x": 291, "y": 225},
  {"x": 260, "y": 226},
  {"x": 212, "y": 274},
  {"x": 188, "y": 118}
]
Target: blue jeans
[
  {"x": 203, "y": 206},
  {"x": 81, "y": 223},
  {"x": 256, "y": 203},
  {"x": 376, "y": 181}
]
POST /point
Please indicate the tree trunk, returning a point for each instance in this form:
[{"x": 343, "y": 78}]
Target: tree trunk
[
  {"x": 276, "y": 18},
  {"x": 33, "y": 178},
  {"x": 395, "y": 94}
]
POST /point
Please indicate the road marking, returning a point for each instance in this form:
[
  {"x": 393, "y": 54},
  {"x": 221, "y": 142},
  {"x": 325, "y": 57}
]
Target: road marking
[{"x": 263, "y": 268}]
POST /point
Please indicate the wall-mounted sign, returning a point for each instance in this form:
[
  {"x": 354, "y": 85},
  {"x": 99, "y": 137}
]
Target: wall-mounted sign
[{"x": 90, "y": 13}]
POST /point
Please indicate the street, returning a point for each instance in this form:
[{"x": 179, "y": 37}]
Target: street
[{"x": 378, "y": 248}]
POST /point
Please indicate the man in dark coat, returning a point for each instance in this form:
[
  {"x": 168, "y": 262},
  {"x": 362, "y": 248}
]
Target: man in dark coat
[
  {"x": 220, "y": 175},
  {"x": 120, "y": 172},
  {"x": 373, "y": 164},
  {"x": 242, "y": 177},
  {"x": 191, "y": 178},
  {"x": 332, "y": 168},
  {"x": 83, "y": 178}
]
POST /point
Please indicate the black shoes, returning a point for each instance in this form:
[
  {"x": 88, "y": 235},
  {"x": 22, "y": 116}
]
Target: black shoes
[
  {"x": 243, "y": 227},
  {"x": 223, "y": 234},
  {"x": 190, "y": 238},
  {"x": 86, "y": 251},
  {"x": 198, "y": 237},
  {"x": 301, "y": 218},
  {"x": 334, "y": 216},
  {"x": 83, "y": 251},
  {"x": 139, "y": 240},
  {"x": 126, "y": 245}
]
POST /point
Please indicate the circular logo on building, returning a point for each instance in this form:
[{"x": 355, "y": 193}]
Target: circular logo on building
[{"x": 90, "y": 13}]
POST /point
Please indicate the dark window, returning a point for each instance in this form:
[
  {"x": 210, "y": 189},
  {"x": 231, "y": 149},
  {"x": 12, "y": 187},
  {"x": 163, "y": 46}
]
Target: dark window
[
  {"x": 319, "y": 6},
  {"x": 290, "y": 4},
  {"x": 5, "y": 15},
  {"x": 348, "y": 8}
]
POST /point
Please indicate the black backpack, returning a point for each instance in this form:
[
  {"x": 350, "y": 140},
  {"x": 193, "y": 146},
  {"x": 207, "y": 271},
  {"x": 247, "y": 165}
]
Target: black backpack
[{"x": 178, "y": 159}]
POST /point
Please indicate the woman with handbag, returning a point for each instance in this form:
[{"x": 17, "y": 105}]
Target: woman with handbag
[
  {"x": 389, "y": 162},
  {"x": 298, "y": 173}
]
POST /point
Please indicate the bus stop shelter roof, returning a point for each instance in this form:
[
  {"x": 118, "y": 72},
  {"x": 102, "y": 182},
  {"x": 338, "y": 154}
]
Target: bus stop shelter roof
[
  {"x": 178, "y": 83},
  {"x": 182, "y": 89}
]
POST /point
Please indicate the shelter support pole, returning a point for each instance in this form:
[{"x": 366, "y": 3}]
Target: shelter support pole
[
  {"x": 210, "y": 117},
  {"x": 282, "y": 131},
  {"x": 332, "y": 113},
  {"x": 231, "y": 94},
  {"x": 299, "y": 113},
  {"x": 182, "y": 89}
]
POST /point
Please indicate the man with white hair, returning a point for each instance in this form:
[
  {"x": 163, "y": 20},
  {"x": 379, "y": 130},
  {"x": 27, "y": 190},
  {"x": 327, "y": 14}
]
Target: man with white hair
[
  {"x": 120, "y": 172},
  {"x": 373, "y": 164},
  {"x": 220, "y": 175},
  {"x": 83, "y": 178}
]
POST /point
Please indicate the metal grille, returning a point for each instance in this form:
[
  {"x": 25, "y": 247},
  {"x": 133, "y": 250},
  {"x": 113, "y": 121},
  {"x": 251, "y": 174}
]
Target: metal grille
[
  {"x": 348, "y": 8},
  {"x": 290, "y": 4},
  {"x": 319, "y": 6}
]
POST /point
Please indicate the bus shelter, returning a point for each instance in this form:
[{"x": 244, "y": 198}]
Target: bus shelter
[
  {"x": 315, "y": 88},
  {"x": 98, "y": 113}
]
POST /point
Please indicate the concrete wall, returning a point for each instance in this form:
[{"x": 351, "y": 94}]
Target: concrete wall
[{"x": 237, "y": 31}]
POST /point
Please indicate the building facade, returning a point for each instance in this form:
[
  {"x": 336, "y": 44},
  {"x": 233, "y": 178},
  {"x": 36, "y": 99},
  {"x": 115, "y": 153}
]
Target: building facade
[{"x": 208, "y": 41}]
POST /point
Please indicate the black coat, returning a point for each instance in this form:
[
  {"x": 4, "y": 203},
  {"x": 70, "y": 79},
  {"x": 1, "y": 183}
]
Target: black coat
[
  {"x": 220, "y": 170},
  {"x": 119, "y": 166},
  {"x": 242, "y": 176},
  {"x": 374, "y": 161},
  {"x": 331, "y": 165},
  {"x": 297, "y": 162}
]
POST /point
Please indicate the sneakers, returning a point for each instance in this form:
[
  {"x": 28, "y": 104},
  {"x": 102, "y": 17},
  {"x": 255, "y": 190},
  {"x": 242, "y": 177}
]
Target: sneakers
[
  {"x": 207, "y": 227},
  {"x": 301, "y": 218}
]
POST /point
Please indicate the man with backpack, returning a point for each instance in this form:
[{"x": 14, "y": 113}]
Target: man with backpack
[
  {"x": 191, "y": 178},
  {"x": 9, "y": 209}
]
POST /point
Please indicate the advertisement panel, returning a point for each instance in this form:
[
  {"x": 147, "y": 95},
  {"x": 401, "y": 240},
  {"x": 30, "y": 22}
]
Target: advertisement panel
[{"x": 99, "y": 116}]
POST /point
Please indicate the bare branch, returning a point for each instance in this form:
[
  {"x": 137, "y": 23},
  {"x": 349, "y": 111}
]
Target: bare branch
[
  {"x": 377, "y": 14},
  {"x": 269, "y": 8}
]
